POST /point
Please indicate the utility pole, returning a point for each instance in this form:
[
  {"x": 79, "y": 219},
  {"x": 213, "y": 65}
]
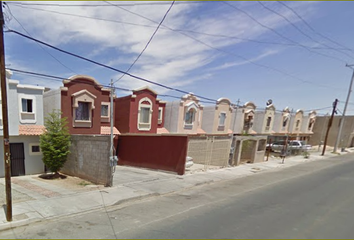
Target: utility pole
[
  {"x": 287, "y": 135},
  {"x": 329, "y": 125},
  {"x": 344, "y": 111},
  {"x": 7, "y": 160},
  {"x": 110, "y": 184},
  {"x": 236, "y": 109},
  {"x": 322, "y": 132}
]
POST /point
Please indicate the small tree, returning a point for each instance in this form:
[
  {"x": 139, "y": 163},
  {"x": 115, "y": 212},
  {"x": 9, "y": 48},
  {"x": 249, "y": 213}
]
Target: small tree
[{"x": 55, "y": 142}]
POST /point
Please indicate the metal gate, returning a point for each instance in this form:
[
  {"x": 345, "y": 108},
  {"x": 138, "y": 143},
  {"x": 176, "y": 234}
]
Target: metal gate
[{"x": 17, "y": 159}]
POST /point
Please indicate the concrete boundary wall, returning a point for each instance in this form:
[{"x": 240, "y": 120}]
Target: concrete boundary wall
[{"x": 89, "y": 158}]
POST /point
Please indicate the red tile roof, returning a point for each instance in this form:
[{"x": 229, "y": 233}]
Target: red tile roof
[
  {"x": 162, "y": 130},
  {"x": 31, "y": 130},
  {"x": 107, "y": 131},
  {"x": 200, "y": 131}
]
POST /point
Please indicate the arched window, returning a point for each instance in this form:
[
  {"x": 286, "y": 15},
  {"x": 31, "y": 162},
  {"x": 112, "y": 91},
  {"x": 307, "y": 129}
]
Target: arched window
[
  {"x": 144, "y": 114},
  {"x": 190, "y": 116}
]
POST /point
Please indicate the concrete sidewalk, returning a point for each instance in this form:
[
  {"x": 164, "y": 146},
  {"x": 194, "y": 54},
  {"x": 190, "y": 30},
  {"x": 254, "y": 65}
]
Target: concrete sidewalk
[{"x": 39, "y": 200}]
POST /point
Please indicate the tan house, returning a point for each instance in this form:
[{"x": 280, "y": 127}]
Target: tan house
[
  {"x": 184, "y": 116},
  {"x": 264, "y": 121},
  {"x": 217, "y": 119},
  {"x": 243, "y": 119}
]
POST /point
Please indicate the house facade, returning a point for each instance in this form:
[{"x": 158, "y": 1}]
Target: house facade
[
  {"x": 184, "y": 116},
  {"x": 85, "y": 104},
  {"x": 264, "y": 121},
  {"x": 141, "y": 112},
  {"x": 25, "y": 116},
  {"x": 217, "y": 119},
  {"x": 243, "y": 119}
]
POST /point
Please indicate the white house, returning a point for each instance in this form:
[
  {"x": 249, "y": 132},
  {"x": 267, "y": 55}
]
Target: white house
[{"x": 25, "y": 115}]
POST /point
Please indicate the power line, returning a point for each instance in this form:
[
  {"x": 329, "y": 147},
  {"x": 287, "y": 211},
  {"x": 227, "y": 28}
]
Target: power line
[
  {"x": 51, "y": 55},
  {"x": 147, "y": 44},
  {"x": 300, "y": 30},
  {"x": 100, "y": 5},
  {"x": 281, "y": 35},
  {"x": 105, "y": 66},
  {"x": 170, "y": 29},
  {"x": 312, "y": 29},
  {"x": 228, "y": 53}
]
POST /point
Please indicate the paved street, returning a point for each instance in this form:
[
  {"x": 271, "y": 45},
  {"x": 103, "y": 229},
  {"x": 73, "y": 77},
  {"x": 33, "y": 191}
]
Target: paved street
[{"x": 312, "y": 200}]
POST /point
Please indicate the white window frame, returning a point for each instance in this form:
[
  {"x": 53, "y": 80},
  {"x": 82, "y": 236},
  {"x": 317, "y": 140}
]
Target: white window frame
[
  {"x": 145, "y": 126},
  {"x": 223, "y": 124},
  {"x": 160, "y": 117},
  {"x": 34, "y": 110},
  {"x": 106, "y": 118},
  {"x": 188, "y": 107},
  {"x": 87, "y": 97},
  {"x": 34, "y": 153}
]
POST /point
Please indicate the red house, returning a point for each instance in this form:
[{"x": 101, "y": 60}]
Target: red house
[
  {"x": 85, "y": 104},
  {"x": 140, "y": 112}
]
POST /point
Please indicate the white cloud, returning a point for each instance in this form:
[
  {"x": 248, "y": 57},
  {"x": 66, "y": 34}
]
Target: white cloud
[
  {"x": 239, "y": 63},
  {"x": 171, "y": 56}
]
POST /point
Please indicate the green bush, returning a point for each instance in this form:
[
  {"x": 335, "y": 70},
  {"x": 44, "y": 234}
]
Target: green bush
[{"x": 55, "y": 142}]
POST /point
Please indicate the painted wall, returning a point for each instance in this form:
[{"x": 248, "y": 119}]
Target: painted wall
[
  {"x": 237, "y": 120},
  {"x": 33, "y": 163},
  {"x": 171, "y": 116},
  {"x": 208, "y": 119},
  {"x": 122, "y": 114},
  {"x": 102, "y": 95},
  {"x": 164, "y": 152},
  {"x": 51, "y": 101}
]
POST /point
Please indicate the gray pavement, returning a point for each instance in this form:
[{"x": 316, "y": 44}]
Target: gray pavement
[{"x": 36, "y": 200}]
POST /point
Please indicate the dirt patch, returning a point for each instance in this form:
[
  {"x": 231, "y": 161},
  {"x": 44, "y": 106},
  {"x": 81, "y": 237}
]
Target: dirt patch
[
  {"x": 69, "y": 183},
  {"x": 51, "y": 176}
]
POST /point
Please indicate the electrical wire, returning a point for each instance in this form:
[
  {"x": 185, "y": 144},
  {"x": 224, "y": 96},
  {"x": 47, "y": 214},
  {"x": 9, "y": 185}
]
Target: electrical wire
[
  {"x": 105, "y": 66},
  {"x": 281, "y": 35},
  {"x": 51, "y": 55},
  {"x": 164, "y": 28},
  {"x": 207, "y": 45},
  {"x": 101, "y": 5},
  {"x": 148, "y": 43},
  {"x": 312, "y": 29},
  {"x": 300, "y": 30}
]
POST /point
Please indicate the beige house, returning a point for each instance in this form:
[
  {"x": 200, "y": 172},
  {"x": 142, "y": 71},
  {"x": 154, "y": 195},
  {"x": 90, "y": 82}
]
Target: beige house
[
  {"x": 264, "y": 121},
  {"x": 281, "y": 122},
  {"x": 184, "y": 116},
  {"x": 243, "y": 119},
  {"x": 217, "y": 119}
]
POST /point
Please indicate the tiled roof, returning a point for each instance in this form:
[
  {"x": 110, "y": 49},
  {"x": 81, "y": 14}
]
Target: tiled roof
[
  {"x": 31, "y": 130},
  {"x": 200, "y": 131},
  {"x": 162, "y": 130},
  {"x": 107, "y": 131}
]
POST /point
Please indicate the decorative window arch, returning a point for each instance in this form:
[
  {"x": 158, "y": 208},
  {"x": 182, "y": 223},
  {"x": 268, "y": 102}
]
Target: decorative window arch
[
  {"x": 145, "y": 114},
  {"x": 83, "y": 104},
  {"x": 190, "y": 115}
]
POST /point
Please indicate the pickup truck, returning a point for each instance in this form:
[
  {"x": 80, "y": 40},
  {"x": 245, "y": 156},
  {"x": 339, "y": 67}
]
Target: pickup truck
[{"x": 292, "y": 145}]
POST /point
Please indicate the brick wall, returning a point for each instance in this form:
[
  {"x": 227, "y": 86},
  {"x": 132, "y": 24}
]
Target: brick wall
[{"x": 89, "y": 158}]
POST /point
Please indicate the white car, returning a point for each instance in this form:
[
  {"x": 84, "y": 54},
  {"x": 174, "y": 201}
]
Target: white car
[{"x": 189, "y": 162}]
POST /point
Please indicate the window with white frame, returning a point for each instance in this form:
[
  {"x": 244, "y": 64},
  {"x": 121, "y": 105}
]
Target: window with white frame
[
  {"x": 160, "y": 115},
  {"x": 144, "y": 114},
  {"x": 222, "y": 119},
  {"x": 285, "y": 121},
  {"x": 82, "y": 112},
  {"x": 34, "y": 149},
  {"x": 105, "y": 112},
  {"x": 190, "y": 116},
  {"x": 297, "y": 123},
  {"x": 83, "y": 105},
  {"x": 27, "y": 108},
  {"x": 27, "y": 105}
]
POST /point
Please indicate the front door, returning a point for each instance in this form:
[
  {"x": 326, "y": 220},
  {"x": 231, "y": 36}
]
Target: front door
[{"x": 17, "y": 159}]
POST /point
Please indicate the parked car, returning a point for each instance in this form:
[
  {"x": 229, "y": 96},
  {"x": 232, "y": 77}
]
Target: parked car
[
  {"x": 189, "y": 162},
  {"x": 292, "y": 146}
]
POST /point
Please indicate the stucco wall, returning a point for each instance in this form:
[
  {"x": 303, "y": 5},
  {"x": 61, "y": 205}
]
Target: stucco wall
[
  {"x": 89, "y": 158},
  {"x": 222, "y": 107},
  {"x": 51, "y": 101},
  {"x": 171, "y": 116},
  {"x": 197, "y": 122},
  {"x": 33, "y": 163},
  {"x": 67, "y": 103},
  {"x": 320, "y": 127},
  {"x": 122, "y": 114},
  {"x": 208, "y": 119},
  {"x": 237, "y": 120}
]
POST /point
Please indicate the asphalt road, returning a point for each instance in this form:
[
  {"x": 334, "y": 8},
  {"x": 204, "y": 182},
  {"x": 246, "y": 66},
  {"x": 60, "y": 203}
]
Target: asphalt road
[{"x": 312, "y": 200}]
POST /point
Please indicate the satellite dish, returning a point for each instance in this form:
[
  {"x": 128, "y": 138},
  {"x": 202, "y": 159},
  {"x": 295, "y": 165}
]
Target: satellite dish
[{"x": 269, "y": 102}]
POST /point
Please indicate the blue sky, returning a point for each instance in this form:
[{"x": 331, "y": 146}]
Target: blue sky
[{"x": 299, "y": 77}]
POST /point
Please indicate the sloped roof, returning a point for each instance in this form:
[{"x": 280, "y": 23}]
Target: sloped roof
[
  {"x": 107, "y": 131},
  {"x": 31, "y": 130},
  {"x": 162, "y": 130}
]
